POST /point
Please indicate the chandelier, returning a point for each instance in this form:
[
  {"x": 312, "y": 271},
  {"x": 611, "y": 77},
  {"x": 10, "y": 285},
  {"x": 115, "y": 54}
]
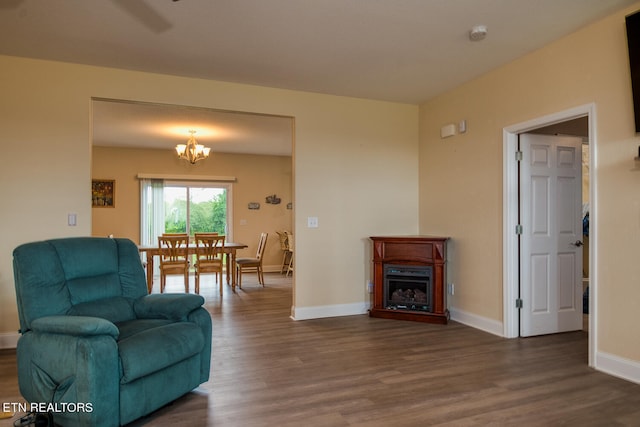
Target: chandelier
[{"x": 192, "y": 151}]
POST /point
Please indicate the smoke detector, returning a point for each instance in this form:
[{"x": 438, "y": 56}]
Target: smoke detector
[{"x": 477, "y": 33}]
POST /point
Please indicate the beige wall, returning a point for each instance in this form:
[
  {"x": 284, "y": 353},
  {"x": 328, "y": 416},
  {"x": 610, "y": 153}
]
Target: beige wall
[
  {"x": 355, "y": 167},
  {"x": 461, "y": 177},
  {"x": 359, "y": 166},
  {"x": 256, "y": 177}
]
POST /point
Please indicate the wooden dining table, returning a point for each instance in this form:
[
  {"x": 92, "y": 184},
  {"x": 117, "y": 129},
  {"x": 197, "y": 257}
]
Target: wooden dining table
[{"x": 229, "y": 250}]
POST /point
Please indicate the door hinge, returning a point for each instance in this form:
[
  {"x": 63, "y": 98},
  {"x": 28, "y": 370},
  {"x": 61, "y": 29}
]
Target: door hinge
[
  {"x": 519, "y": 229},
  {"x": 518, "y": 303},
  {"x": 518, "y": 156}
]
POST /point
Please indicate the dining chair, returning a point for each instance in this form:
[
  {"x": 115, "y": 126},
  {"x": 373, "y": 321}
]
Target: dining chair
[
  {"x": 251, "y": 263},
  {"x": 177, "y": 235},
  {"x": 286, "y": 251},
  {"x": 174, "y": 258},
  {"x": 209, "y": 256},
  {"x": 290, "y": 244}
]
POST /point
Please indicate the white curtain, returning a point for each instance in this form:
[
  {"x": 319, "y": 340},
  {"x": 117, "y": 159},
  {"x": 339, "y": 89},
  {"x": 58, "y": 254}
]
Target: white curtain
[{"x": 151, "y": 211}]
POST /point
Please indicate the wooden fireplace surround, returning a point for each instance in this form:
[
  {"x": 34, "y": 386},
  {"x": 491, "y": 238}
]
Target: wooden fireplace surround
[{"x": 411, "y": 250}]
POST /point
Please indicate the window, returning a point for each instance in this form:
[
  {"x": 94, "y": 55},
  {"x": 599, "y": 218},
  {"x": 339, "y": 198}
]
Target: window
[
  {"x": 191, "y": 209},
  {"x": 183, "y": 207}
]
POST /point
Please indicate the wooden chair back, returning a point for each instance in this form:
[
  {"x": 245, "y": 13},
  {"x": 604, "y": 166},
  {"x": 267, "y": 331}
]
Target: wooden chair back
[
  {"x": 284, "y": 241},
  {"x": 262, "y": 244},
  {"x": 209, "y": 247},
  {"x": 174, "y": 258},
  {"x": 209, "y": 256},
  {"x": 174, "y": 249}
]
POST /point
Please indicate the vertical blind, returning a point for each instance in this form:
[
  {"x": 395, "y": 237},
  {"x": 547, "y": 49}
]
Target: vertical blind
[{"x": 151, "y": 211}]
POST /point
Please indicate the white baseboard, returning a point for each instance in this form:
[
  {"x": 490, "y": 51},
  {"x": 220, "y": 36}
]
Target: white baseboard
[
  {"x": 318, "y": 312},
  {"x": 305, "y": 313},
  {"x": 9, "y": 340},
  {"x": 483, "y": 323},
  {"x": 617, "y": 366}
]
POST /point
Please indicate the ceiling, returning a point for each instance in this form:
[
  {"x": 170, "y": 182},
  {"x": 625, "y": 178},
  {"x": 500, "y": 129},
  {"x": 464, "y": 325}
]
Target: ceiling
[
  {"x": 146, "y": 125},
  {"x": 404, "y": 51}
]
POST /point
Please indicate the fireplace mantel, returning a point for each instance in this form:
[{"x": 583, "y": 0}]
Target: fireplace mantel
[{"x": 410, "y": 251}]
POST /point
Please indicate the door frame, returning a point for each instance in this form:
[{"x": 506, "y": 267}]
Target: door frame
[{"x": 510, "y": 262}]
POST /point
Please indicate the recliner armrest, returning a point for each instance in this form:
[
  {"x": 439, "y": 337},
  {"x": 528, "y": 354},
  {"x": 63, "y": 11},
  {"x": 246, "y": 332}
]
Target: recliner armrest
[
  {"x": 167, "y": 306},
  {"x": 75, "y": 325}
]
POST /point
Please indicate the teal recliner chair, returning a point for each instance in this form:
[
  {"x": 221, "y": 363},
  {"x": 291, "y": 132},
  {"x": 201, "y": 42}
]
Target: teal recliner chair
[{"x": 94, "y": 344}]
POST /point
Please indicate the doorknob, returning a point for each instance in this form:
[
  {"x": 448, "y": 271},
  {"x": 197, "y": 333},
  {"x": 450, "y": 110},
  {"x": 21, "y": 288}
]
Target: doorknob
[{"x": 577, "y": 243}]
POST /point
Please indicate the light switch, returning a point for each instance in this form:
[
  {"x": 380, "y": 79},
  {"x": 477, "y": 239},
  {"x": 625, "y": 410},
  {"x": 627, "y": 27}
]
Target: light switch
[
  {"x": 312, "y": 222},
  {"x": 72, "y": 219}
]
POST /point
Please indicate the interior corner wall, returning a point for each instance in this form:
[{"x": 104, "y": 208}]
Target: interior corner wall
[
  {"x": 355, "y": 168},
  {"x": 461, "y": 177}
]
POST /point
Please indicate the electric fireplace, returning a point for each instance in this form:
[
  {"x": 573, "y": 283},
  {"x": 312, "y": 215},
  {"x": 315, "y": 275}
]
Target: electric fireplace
[{"x": 409, "y": 278}]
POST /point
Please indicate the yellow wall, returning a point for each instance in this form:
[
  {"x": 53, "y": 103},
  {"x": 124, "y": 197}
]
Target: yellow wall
[
  {"x": 256, "y": 178},
  {"x": 461, "y": 177},
  {"x": 355, "y": 167}
]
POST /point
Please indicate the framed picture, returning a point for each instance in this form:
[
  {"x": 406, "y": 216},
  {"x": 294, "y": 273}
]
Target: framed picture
[{"x": 103, "y": 193}]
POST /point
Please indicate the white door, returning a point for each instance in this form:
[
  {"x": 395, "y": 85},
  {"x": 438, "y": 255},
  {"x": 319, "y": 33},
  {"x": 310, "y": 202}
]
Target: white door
[{"x": 551, "y": 239}]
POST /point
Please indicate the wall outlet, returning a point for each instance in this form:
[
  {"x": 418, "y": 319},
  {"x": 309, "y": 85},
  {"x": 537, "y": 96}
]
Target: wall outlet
[{"x": 451, "y": 290}]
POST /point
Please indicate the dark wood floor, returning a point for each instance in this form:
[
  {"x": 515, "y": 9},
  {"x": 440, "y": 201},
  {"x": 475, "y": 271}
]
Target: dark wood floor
[{"x": 268, "y": 370}]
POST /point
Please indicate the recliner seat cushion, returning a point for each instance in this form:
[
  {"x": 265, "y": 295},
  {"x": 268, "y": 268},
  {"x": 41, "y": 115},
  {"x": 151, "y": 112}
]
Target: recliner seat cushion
[{"x": 169, "y": 344}]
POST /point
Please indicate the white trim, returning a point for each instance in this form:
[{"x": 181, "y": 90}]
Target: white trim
[
  {"x": 173, "y": 177},
  {"x": 9, "y": 340},
  {"x": 510, "y": 218},
  {"x": 593, "y": 237},
  {"x": 478, "y": 322},
  {"x": 337, "y": 310},
  {"x": 509, "y": 237},
  {"x": 618, "y": 366}
]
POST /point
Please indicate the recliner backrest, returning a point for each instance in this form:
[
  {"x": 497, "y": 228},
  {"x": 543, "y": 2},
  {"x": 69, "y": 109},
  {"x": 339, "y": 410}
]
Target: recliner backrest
[{"x": 89, "y": 276}]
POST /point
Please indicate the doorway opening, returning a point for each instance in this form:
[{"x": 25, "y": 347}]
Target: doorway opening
[
  {"x": 251, "y": 152},
  {"x": 511, "y": 257}
]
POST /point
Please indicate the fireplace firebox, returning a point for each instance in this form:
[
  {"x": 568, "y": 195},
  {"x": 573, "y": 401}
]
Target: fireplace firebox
[
  {"x": 407, "y": 287},
  {"x": 409, "y": 278}
]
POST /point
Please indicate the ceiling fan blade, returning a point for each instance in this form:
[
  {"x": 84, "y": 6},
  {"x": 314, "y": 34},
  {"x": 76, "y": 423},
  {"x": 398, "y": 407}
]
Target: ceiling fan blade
[{"x": 145, "y": 14}]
